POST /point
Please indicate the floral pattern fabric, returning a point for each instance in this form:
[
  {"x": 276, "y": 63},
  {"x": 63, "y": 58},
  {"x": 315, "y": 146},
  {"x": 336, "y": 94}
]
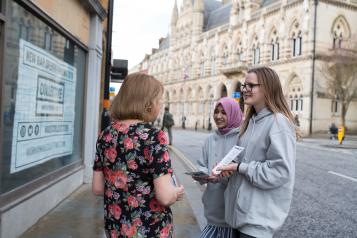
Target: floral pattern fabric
[{"x": 131, "y": 157}]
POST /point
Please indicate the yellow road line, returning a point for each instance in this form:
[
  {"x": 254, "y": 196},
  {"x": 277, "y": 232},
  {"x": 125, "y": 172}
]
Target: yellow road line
[{"x": 181, "y": 156}]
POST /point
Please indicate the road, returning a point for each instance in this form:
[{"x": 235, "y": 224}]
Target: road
[{"x": 325, "y": 194}]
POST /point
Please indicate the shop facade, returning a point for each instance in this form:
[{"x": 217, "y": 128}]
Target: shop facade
[{"x": 50, "y": 59}]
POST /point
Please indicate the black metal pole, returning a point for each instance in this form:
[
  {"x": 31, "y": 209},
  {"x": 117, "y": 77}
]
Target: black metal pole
[
  {"x": 313, "y": 68},
  {"x": 108, "y": 58}
]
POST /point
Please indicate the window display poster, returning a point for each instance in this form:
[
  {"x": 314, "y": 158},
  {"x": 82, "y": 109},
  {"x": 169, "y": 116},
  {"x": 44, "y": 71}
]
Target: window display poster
[{"x": 44, "y": 110}]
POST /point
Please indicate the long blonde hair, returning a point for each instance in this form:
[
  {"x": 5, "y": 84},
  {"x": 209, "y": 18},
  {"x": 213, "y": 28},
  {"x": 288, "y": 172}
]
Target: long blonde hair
[
  {"x": 273, "y": 95},
  {"x": 136, "y": 97}
]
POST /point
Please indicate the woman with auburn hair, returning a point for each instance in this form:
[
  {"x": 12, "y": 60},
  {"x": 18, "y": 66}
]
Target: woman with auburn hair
[
  {"x": 132, "y": 168},
  {"x": 259, "y": 192}
]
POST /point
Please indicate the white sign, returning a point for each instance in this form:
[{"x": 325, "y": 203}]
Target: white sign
[
  {"x": 44, "y": 110},
  {"x": 228, "y": 158}
]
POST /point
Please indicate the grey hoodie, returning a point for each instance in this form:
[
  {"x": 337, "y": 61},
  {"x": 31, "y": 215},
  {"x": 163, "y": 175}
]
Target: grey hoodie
[
  {"x": 215, "y": 148},
  {"x": 258, "y": 197}
]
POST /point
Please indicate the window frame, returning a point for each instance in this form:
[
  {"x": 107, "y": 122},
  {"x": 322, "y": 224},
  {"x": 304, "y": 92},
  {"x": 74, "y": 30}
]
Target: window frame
[
  {"x": 202, "y": 69},
  {"x": 2, "y": 47},
  {"x": 32, "y": 187},
  {"x": 256, "y": 55}
]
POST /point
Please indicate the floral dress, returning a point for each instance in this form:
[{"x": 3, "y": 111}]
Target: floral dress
[{"x": 131, "y": 157}]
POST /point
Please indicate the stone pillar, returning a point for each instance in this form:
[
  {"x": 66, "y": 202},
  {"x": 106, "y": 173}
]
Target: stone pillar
[{"x": 91, "y": 118}]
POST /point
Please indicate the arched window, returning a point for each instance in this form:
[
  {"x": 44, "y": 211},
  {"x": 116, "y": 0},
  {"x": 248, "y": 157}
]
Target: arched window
[
  {"x": 335, "y": 106},
  {"x": 274, "y": 45},
  {"x": 202, "y": 66},
  {"x": 213, "y": 65},
  {"x": 213, "y": 62},
  {"x": 199, "y": 98},
  {"x": 340, "y": 31},
  {"x": 223, "y": 91},
  {"x": 239, "y": 51},
  {"x": 296, "y": 37},
  {"x": 225, "y": 55},
  {"x": 295, "y": 95},
  {"x": 255, "y": 51},
  {"x": 256, "y": 54},
  {"x": 337, "y": 40}
]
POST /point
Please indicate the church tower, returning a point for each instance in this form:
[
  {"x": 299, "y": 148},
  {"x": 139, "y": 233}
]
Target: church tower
[
  {"x": 248, "y": 7},
  {"x": 174, "y": 19},
  {"x": 198, "y": 17},
  {"x": 234, "y": 14}
]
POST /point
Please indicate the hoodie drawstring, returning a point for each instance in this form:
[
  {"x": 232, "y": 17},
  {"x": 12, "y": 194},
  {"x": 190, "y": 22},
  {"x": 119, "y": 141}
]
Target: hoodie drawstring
[{"x": 250, "y": 138}]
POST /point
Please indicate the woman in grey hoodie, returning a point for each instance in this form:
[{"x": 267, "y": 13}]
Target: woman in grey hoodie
[
  {"x": 228, "y": 117},
  {"x": 259, "y": 192}
]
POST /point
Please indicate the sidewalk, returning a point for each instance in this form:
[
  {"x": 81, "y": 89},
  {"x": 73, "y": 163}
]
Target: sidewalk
[
  {"x": 324, "y": 140},
  {"x": 81, "y": 215}
]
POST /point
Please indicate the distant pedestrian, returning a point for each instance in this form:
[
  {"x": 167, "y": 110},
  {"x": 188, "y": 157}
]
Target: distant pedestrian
[
  {"x": 260, "y": 190},
  {"x": 183, "y": 122},
  {"x": 228, "y": 117},
  {"x": 333, "y": 131},
  {"x": 132, "y": 168},
  {"x": 168, "y": 122}
]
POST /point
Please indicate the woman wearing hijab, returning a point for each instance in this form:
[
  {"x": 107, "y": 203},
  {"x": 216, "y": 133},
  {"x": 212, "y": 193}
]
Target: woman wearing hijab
[{"x": 228, "y": 117}]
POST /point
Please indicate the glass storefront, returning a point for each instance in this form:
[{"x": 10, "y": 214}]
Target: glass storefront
[{"x": 42, "y": 99}]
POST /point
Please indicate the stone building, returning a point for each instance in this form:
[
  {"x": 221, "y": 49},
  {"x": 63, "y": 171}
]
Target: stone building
[
  {"x": 51, "y": 55},
  {"x": 211, "y": 45}
]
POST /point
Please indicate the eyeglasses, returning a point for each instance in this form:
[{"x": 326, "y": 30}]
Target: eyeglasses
[{"x": 249, "y": 86}]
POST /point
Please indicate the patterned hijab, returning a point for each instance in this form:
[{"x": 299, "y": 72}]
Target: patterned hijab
[{"x": 233, "y": 112}]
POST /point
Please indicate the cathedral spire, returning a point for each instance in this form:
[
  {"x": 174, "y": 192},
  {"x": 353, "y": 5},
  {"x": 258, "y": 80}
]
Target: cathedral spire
[
  {"x": 174, "y": 16},
  {"x": 199, "y": 6}
]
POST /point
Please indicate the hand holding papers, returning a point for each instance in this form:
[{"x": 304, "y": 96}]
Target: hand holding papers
[
  {"x": 232, "y": 154},
  {"x": 197, "y": 174}
]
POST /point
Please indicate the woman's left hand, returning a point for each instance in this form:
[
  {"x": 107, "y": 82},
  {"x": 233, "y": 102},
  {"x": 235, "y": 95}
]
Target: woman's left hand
[
  {"x": 227, "y": 170},
  {"x": 213, "y": 179}
]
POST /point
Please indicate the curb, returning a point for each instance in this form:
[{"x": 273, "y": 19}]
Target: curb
[
  {"x": 193, "y": 189},
  {"x": 181, "y": 156}
]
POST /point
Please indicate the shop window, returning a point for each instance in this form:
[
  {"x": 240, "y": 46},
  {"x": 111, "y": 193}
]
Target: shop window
[
  {"x": 48, "y": 41},
  {"x": 24, "y": 32},
  {"x": 43, "y": 101}
]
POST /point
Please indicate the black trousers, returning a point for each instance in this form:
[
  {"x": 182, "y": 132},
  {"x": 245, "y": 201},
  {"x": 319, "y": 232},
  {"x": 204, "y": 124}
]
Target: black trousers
[{"x": 239, "y": 234}]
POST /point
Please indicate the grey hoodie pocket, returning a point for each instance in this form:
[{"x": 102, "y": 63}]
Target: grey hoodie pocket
[{"x": 244, "y": 199}]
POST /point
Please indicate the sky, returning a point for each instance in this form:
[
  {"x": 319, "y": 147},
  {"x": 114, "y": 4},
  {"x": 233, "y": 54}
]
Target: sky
[{"x": 137, "y": 27}]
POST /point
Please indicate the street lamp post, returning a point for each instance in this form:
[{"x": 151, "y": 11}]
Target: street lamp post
[{"x": 209, "y": 127}]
